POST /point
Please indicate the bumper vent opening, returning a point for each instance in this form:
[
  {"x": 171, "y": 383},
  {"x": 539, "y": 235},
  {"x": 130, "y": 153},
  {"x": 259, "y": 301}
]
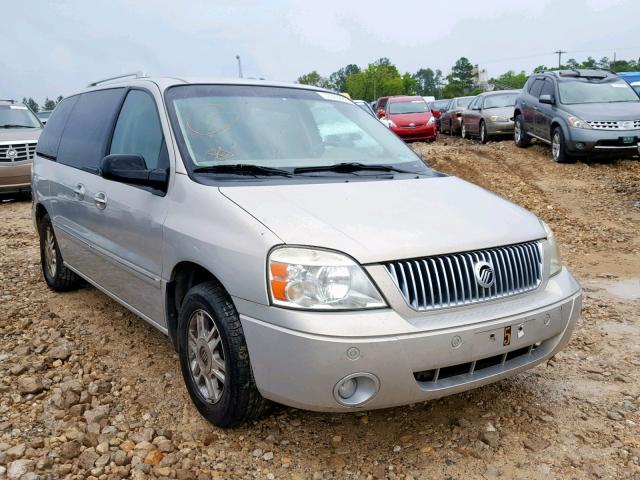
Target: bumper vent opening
[{"x": 436, "y": 375}]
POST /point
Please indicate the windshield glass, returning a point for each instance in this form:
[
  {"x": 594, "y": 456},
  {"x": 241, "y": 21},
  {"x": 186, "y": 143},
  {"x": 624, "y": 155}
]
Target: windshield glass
[
  {"x": 463, "y": 102},
  {"x": 411, "y": 106},
  {"x": 581, "y": 90},
  {"x": 500, "y": 101},
  {"x": 282, "y": 128},
  {"x": 439, "y": 104},
  {"x": 43, "y": 115},
  {"x": 18, "y": 116}
]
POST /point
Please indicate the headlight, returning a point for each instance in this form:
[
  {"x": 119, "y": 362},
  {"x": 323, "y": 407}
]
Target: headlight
[
  {"x": 319, "y": 280},
  {"x": 556, "y": 264},
  {"x": 431, "y": 120},
  {"x": 391, "y": 123},
  {"x": 576, "y": 122},
  {"x": 499, "y": 118}
]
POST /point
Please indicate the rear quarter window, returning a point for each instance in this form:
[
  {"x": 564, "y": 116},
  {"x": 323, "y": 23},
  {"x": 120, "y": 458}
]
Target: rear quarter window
[
  {"x": 86, "y": 135},
  {"x": 50, "y": 138}
]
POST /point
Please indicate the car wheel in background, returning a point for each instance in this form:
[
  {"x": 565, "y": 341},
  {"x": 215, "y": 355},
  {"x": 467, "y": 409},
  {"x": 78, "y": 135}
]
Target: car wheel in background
[
  {"x": 484, "y": 138},
  {"x": 559, "y": 147},
  {"x": 520, "y": 137},
  {"x": 214, "y": 358},
  {"x": 463, "y": 131},
  {"x": 58, "y": 277}
]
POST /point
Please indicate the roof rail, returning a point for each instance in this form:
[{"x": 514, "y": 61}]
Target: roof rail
[{"x": 138, "y": 74}]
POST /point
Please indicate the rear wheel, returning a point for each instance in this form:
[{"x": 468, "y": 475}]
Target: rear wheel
[
  {"x": 214, "y": 358},
  {"x": 559, "y": 147},
  {"x": 520, "y": 137},
  {"x": 484, "y": 138},
  {"x": 58, "y": 277}
]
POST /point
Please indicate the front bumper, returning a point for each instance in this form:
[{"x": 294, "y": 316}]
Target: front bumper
[
  {"x": 15, "y": 177},
  {"x": 301, "y": 368},
  {"x": 428, "y": 132},
  {"x": 499, "y": 128},
  {"x": 584, "y": 140}
]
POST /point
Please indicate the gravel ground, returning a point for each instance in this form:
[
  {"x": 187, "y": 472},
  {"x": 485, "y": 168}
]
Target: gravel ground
[{"x": 89, "y": 391}]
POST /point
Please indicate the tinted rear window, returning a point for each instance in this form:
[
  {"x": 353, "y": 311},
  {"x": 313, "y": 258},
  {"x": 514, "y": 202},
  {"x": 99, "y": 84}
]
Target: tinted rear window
[
  {"x": 88, "y": 129},
  {"x": 50, "y": 138}
]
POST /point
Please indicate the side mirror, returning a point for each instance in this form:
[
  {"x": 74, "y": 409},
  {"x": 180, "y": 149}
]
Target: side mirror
[
  {"x": 380, "y": 113},
  {"x": 132, "y": 169},
  {"x": 548, "y": 99}
]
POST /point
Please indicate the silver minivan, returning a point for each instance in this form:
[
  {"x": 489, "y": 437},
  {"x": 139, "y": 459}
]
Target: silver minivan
[{"x": 291, "y": 247}]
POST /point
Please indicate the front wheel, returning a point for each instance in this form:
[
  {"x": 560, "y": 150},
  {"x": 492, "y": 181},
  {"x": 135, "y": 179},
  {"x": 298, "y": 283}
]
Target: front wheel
[
  {"x": 463, "y": 131},
  {"x": 520, "y": 137},
  {"x": 559, "y": 147},
  {"x": 484, "y": 138},
  {"x": 214, "y": 358}
]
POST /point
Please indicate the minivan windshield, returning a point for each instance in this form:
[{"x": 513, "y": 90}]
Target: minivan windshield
[
  {"x": 17, "y": 116},
  {"x": 500, "y": 101},
  {"x": 411, "y": 106},
  {"x": 582, "y": 90},
  {"x": 279, "y": 128}
]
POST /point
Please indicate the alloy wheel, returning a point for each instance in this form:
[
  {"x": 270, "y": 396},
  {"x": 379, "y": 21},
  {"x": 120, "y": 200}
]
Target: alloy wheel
[
  {"x": 555, "y": 145},
  {"x": 517, "y": 132},
  {"x": 483, "y": 133},
  {"x": 206, "y": 356},
  {"x": 50, "y": 257},
  {"x": 463, "y": 133}
]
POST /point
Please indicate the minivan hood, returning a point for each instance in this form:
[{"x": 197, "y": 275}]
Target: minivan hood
[
  {"x": 375, "y": 221},
  {"x": 590, "y": 112},
  {"x": 19, "y": 134}
]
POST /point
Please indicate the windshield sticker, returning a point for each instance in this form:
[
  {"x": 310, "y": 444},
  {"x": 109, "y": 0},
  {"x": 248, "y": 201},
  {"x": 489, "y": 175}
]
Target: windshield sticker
[
  {"x": 333, "y": 96},
  {"x": 17, "y": 107}
]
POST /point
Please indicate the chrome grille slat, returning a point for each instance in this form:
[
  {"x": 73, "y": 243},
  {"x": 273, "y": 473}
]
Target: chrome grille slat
[
  {"x": 615, "y": 124},
  {"x": 445, "y": 281},
  {"x": 24, "y": 151}
]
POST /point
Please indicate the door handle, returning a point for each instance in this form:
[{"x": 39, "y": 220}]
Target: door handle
[
  {"x": 79, "y": 191},
  {"x": 100, "y": 200}
]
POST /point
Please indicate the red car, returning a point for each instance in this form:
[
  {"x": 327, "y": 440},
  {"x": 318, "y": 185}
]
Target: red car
[{"x": 410, "y": 118}]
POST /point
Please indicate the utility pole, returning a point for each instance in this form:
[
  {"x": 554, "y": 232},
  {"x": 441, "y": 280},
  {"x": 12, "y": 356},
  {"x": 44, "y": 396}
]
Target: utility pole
[
  {"x": 239, "y": 66},
  {"x": 560, "y": 52}
]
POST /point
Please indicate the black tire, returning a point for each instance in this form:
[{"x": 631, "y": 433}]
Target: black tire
[
  {"x": 559, "y": 147},
  {"x": 520, "y": 137},
  {"x": 58, "y": 277},
  {"x": 239, "y": 400},
  {"x": 484, "y": 136}
]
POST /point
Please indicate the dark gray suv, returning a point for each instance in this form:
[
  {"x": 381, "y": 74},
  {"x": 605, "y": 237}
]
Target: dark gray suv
[{"x": 578, "y": 112}]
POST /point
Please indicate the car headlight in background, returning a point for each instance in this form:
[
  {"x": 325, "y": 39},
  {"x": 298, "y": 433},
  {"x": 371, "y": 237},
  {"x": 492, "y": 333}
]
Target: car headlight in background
[
  {"x": 499, "y": 118},
  {"x": 556, "y": 264},
  {"x": 313, "y": 279},
  {"x": 576, "y": 122},
  {"x": 431, "y": 120}
]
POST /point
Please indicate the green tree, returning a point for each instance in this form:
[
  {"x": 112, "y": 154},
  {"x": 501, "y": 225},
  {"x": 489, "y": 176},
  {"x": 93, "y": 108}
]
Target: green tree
[
  {"x": 510, "y": 80},
  {"x": 59, "y": 99},
  {"x": 380, "y": 78},
  {"x": 428, "y": 82},
  {"x": 32, "y": 104},
  {"x": 314, "y": 78},
  {"x": 338, "y": 79},
  {"x": 460, "y": 81},
  {"x": 540, "y": 69},
  {"x": 49, "y": 104}
]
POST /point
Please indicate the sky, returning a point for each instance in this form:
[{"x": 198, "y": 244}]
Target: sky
[{"x": 51, "y": 48}]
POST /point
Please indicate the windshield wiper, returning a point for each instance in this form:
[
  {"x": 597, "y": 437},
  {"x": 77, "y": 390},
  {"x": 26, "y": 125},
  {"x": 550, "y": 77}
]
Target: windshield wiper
[
  {"x": 10, "y": 125},
  {"x": 350, "y": 167},
  {"x": 242, "y": 169}
]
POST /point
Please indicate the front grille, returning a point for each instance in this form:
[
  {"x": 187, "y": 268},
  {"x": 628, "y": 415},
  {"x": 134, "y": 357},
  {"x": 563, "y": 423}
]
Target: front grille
[
  {"x": 615, "y": 125},
  {"x": 450, "y": 280},
  {"x": 23, "y": 151}
]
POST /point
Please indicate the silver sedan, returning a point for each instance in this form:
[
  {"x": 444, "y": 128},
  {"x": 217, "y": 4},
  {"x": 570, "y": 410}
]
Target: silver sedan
[{"x": 489, "y": 115}]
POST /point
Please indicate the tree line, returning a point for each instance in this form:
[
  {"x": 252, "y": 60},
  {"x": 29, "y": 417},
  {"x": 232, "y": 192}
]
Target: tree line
[
  {"x": 48, "y": 104},
  {"x": 382, "y": 78}
]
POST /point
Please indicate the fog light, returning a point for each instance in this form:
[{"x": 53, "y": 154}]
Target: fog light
[
  {"x": 356, "y": 389},
  {"x": 580, "y": 145},
  {"x": 347, "y": 388}
]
